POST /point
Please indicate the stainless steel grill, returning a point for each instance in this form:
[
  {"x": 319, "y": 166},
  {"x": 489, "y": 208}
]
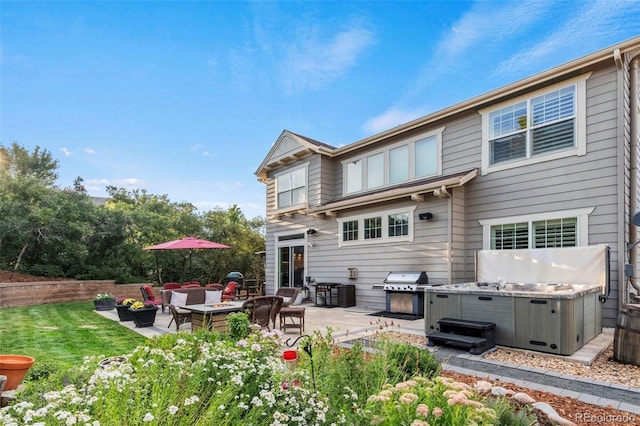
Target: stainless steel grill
[
  {"x": 406, "y": 281},
  {"x": 404, "y": 292}
]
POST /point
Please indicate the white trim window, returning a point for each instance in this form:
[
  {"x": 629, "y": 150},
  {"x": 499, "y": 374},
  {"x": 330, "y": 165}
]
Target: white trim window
[
  {"x": 546, "y": 124},
  {"x": 380, "y": 227},
  {"x": 291, "y": 188},
  {"x": 568, "y": 228},
  {"x": 416, "y": 158}
]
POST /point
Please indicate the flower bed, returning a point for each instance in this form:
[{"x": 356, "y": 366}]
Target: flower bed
[{"x": 204, "y": 378}]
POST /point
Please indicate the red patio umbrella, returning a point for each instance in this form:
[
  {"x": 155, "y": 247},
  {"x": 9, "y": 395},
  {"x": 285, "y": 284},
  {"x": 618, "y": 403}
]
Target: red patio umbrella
[{"x": 188, "y": 243}]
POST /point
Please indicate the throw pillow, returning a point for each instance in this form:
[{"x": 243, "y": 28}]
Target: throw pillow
[
  {"x": 286, "y": 300},
  {"x": 212, "y": 296},
  {"x": 178, "y": 299}
]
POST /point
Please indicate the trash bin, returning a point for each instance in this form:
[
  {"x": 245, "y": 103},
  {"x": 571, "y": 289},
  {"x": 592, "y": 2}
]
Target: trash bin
[{"x": 346, "y": 295}]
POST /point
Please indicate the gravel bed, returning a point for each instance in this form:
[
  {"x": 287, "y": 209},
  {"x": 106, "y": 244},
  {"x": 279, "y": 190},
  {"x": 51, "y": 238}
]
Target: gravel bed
[{"x": 603, "y": 368}]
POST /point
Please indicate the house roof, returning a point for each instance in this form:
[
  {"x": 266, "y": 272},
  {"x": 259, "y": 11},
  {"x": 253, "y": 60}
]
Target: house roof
[
  {"x": 305, "y": 147},
  {"x": 413, "y": 191},
  {"x": 575, "y": 67}
]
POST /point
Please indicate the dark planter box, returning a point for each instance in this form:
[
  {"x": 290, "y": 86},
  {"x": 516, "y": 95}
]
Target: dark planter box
[
  {"x": 123, "y": 313},
  {"x": 143, "y": 317},
  {"x": 104, "y": 305}
]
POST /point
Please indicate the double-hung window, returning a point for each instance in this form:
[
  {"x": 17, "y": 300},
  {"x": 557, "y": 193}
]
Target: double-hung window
[
  {"x": 292, "y": 188},
  {"x": 544, "y": 125},
  {"x": 386, "y": 226},
  {"x": 416, "y": 158},
  {"x": 554, "y": 229}
]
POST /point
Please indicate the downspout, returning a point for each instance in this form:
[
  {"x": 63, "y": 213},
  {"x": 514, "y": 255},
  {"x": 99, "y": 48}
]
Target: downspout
[
  {"x": 634, "y": 93},
  {"x": 442, "y": 192}
]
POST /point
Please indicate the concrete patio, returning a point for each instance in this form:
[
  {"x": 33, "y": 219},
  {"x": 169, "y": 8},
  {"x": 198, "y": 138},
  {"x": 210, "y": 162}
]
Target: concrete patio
[{"x": 346, "y": 323}]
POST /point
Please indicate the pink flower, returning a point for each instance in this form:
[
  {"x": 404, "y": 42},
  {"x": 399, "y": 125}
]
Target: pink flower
[{"x": 422, "y": 410}]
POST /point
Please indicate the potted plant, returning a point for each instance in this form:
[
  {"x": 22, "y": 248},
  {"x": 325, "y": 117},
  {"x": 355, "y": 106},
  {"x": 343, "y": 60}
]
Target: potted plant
[
  {"x": 143, "y": 314},
  {"x": 15, "y": 367},
  {"x": 104, "y": 301},
  {"x": 122, "y": 306}
]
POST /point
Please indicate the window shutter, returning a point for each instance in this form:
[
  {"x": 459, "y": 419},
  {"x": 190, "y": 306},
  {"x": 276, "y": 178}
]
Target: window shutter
[{"x": 554, "y": 137}]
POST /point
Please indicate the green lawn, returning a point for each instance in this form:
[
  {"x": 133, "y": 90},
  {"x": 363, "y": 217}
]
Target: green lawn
[{"x": 63, "y": 333}]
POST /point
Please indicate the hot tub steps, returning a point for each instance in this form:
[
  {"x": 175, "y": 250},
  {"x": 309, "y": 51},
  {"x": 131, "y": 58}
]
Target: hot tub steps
[{"x": 478, "y": 336}]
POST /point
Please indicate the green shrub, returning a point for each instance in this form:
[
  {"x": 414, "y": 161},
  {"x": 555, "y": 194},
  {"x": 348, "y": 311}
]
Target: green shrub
[
  {"x": 238, "y": 325},
  {"x": 41, "y": 370},
  {"x": 506, "y": 414},
  {"x": 406, "y": 361},
  {"x": 53, "y": 271}
]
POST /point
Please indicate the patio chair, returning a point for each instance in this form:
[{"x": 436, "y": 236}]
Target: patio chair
[
  {"x": 262, "y": 308},
  {"x": 229, "y": 292},
  {"x": 289, "y": 295},
  {"x": 148, "y": 297},
  {"x": 191, "y": 284},
  {"x": 171, "y": 286},
  {"x": 215, "y": 286},
  {"x": 255, "y": 288},
  {"x": 180, "y": 316}
]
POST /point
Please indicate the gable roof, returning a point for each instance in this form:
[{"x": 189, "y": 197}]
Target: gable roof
[{"x": 288, "y": 148}]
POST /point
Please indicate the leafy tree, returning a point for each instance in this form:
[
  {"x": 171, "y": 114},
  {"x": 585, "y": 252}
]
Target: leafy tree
[
  {"x": 244, "y": 236},
  {"x": 152, "y": 219},
  {"x": 26, "y": 180},
  {"x": 50, "y": 231}
]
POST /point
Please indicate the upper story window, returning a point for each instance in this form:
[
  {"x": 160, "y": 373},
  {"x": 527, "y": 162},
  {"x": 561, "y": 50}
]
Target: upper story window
[
  {"x": 292, "y": 188},
  {"x": 554, "y": 229},
  {"x": 415, "y": 158},
  {"x": 386, "y": 226},
  {"x": 544, "y": 125}
]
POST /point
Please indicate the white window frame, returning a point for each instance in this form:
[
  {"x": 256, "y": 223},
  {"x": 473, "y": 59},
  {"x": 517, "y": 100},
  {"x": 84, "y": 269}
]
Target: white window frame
[
  {"x": 384, "y": 214},
  {"x": 580, "y": 147},
  {"x": 411, "y": 142},
  {"x": 291, "y": 207},
  {"x": 582, "y": 227}
]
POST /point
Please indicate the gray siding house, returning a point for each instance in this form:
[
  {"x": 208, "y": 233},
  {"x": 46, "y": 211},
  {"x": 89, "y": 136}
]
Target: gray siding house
[{"x": 548, "y": 161}]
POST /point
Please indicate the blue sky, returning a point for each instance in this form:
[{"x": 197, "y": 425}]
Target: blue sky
[{"x": 186, "y": 98}]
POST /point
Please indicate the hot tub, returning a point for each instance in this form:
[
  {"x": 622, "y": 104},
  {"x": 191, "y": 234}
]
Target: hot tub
[{"x": 549, "y": 317}]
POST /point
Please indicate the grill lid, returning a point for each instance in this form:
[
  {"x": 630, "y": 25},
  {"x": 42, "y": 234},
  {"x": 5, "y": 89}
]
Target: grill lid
[{"x": 407, "y": 278}]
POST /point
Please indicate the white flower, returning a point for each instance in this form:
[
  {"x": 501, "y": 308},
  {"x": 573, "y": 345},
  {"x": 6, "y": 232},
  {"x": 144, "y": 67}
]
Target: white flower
[
  {"x": 256, "y": 347},
  {"x": 148, "y": 417},
  {"x": 173, "y": 410},
  {"x": 191, "y": 400}
]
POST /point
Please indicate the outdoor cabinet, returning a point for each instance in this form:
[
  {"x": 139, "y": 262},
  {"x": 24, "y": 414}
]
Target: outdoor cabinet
[{"x": 346, "y": 295}]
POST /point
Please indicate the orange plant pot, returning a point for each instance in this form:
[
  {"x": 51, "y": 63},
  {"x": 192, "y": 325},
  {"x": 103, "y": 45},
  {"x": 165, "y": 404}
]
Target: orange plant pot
[{"x": 15, "y": 367}]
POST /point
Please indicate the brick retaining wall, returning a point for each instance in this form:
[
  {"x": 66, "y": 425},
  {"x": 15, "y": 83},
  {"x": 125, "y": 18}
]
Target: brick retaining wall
[{"x": 37, "y": 293}]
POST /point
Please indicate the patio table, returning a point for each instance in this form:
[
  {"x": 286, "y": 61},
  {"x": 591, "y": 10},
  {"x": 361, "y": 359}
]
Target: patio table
[{"x": 212, "y": 317}]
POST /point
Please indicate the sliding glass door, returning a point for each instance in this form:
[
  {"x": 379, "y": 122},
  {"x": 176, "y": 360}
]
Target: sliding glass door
[{"x": 291, "y": 262}]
